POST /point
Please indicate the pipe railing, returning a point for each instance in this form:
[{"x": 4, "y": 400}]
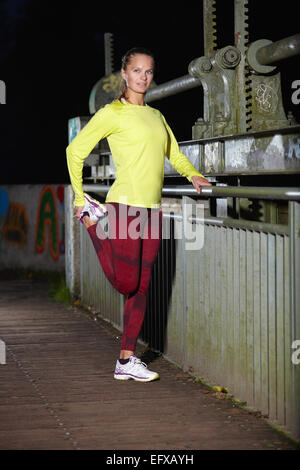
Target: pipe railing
[{"x": 284, "y": 193}]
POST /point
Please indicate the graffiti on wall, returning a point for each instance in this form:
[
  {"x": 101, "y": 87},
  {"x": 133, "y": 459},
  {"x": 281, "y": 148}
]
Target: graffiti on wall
[
  {"x": 49, "y": 228},
  {"x": 47, "y": 221},
  {"x": 4, "y": 206},
  {"x": 15, "y": 226},
  {"x": 60, "y": 192},
  {"x": 47, "y": 218}
]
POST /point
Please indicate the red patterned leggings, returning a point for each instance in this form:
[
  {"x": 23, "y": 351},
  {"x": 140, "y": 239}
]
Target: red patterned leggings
[{"x": 127, "y": 257}]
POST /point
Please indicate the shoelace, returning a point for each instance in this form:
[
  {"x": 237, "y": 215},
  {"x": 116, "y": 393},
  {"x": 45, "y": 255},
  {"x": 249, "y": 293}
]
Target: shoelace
[{"x": 136, "y": 360}]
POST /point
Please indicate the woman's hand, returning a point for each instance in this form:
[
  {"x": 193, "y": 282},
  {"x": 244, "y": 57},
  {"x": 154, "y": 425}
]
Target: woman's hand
[
  {"x": 198, "y": 181},
  {"x": 77, "y": 210}
]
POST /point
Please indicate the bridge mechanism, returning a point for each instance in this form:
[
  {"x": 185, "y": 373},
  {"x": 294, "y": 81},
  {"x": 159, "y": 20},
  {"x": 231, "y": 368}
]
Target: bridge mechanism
[{"x": 244, "y": 134}]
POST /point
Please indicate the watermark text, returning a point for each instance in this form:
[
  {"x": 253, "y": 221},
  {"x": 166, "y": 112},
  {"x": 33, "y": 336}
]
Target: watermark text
[
  {"x": 296, "y": 353},
  {"x": 296, "y": 93},
  {"x": 129, "y": 222}
]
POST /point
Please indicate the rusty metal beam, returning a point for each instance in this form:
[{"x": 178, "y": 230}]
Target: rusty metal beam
[
  {"x": 279, "y": 50},
  {"x": 172, "y": 87}
]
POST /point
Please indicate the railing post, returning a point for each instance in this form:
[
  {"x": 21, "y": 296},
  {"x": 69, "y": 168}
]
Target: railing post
[{"x": 72, "y": 253}]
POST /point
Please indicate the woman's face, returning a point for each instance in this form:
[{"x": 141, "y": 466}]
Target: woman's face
[{"x": 139, "y": 73}]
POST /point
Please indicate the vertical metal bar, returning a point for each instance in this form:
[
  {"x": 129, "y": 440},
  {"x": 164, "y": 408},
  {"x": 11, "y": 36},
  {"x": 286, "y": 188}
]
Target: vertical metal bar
[
  {"x": 243, "y": 313},
  {"x": 72, "y": 254},
  {"x": 216, "y": 298},
  {"x": 224, "y": 313},
  {"x": 249, "y": 315},
  {"x": 287, "y": 333},
  {"x": 161, "y": 299},
  {"x": 209, "y": 258},
  {"x": 212, "y": 308},
  {"x": 294, "y": 224},
  {"x": 186, "y": 212},
  {"x": 257, "y": 321},
  {"x": 198, "y": 267},
  {"x": 201, "y": 290},
  {"x": 108, "y": 53},
  {"x": 236, "y": 311},
  {"x": 280, "y": 382},
  {"x": 230, "y": 308},
  {"x": 264, "y": 324},
  {"x": 241, "y": 42},
  {"x": 272, "y": 327},
  {"x": 209, "y": 27}
]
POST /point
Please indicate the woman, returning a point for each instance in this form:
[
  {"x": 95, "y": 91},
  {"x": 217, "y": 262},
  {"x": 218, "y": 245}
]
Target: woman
[{"x": 139, "y": 139}]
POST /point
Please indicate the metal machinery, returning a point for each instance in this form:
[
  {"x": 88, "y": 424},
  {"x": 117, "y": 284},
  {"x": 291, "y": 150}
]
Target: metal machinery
[
  {"x": 244, "y": 130},
  {"x": 230, "y": 312}
]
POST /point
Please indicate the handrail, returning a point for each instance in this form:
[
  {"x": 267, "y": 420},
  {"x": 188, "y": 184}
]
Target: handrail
[{"x": 252, "y": 192}]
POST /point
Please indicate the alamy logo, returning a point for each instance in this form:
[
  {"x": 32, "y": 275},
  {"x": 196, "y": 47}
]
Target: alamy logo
[
  {"x": 296, "y": 354},
  {"x": 296, "y": 94},
  {"x": 2, "y": 92}
]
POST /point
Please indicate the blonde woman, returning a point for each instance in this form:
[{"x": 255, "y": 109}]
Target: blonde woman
[{"x": 139, "y": 138}]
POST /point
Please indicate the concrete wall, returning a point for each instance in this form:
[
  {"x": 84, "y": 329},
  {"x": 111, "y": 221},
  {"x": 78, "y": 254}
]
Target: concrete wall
[{"x": 32, "y": 227}]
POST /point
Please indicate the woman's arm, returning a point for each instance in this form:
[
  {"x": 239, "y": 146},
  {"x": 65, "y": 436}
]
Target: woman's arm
[
  {"x": 181, "y": 163},
  {"x": 101, "y": 125}
]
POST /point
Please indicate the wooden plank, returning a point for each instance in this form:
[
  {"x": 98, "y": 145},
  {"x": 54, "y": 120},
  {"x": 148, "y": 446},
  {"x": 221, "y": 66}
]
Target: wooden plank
[{"x": 61, "y": 395}]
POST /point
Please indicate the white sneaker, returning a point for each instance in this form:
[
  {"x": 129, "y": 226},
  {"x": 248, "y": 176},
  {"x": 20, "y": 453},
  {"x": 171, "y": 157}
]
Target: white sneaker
[
  {"x": 135, "y": 369},
  {"x": 92, "y": 208}
]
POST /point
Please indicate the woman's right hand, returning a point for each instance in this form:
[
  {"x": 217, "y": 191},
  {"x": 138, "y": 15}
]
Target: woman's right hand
[{"x": 78, "y": 210}]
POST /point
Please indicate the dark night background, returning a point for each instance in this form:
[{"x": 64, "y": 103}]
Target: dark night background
[{"x": 52, "y": 54}]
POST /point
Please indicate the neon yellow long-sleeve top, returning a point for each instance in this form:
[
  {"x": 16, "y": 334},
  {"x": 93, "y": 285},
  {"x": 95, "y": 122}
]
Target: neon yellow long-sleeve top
[{"x": 139, "y": 139}]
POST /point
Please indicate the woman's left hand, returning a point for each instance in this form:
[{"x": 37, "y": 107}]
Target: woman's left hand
[{"x": 198, "y": 181}]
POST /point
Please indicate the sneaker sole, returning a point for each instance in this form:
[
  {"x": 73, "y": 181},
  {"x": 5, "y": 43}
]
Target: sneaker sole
[{"x": 136, "y": 379}]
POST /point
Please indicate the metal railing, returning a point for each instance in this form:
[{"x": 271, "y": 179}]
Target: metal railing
[
  {"x": 252, "y": 192},
  {"x": 228, "y": 311}
]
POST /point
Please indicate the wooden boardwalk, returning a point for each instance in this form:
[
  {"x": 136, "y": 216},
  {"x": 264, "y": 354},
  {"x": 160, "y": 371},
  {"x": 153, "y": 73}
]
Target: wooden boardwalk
[{"x": 57, "y": 389}]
